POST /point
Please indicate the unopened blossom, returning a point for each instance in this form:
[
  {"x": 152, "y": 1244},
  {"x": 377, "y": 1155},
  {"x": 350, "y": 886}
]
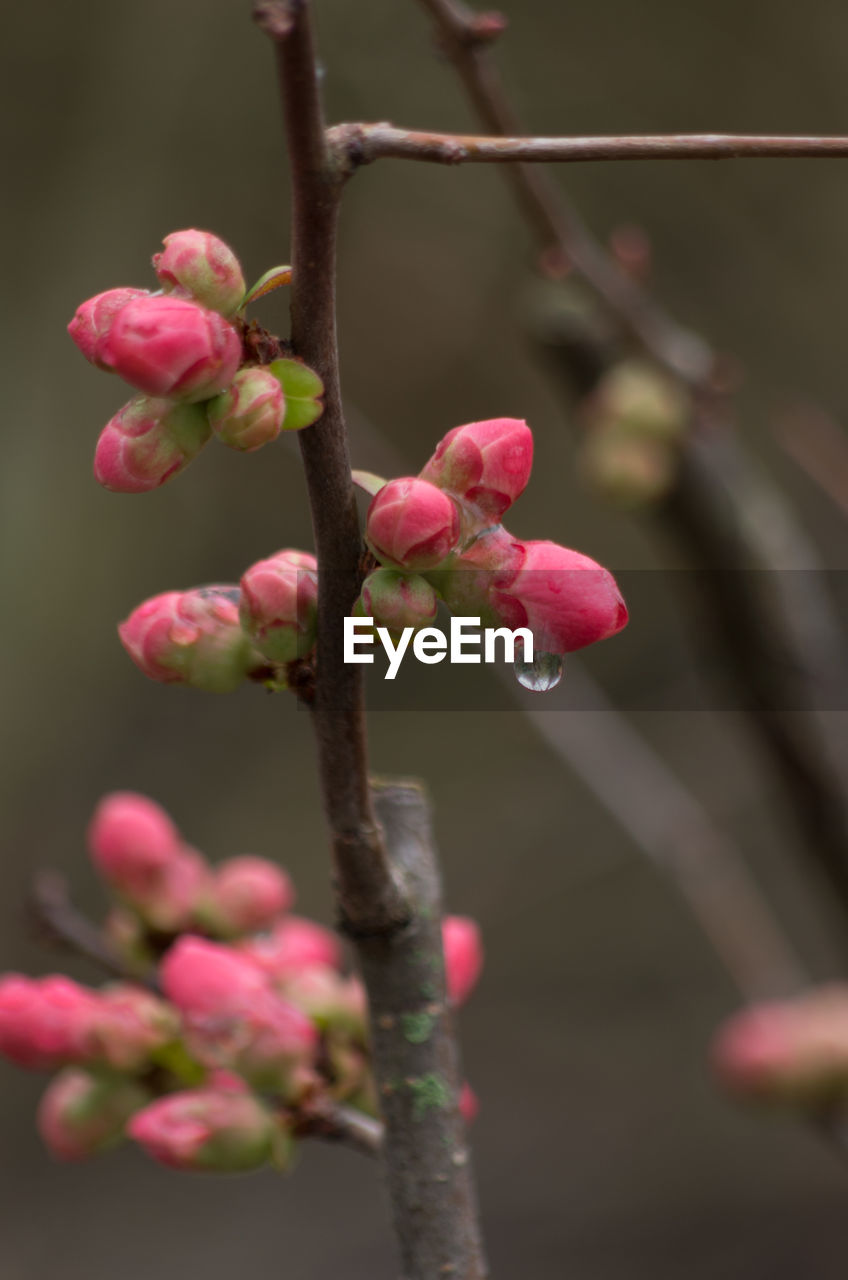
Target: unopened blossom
[
  {"x": 279, "y": 605},
  {"x": 44, "y": 1022},
  {"x": 93, "y": 320},
  {"x": 396, "y": 600},
  {"x": 82, "y": 1114},
  {"x": 292, "y": 945},
  {"x": 131, "y": 840},
  {"x": 486, "y": 463},
  {"x": 246, "y": 894},
  {"x": 198, "y": 264},
  {"x": 412, "y": 524},
  {"x": 206, "y": 1129},
  {"x": 250, "y": 413},
  {"x": 463, "y": 956},
  {"x": 147, "y": 442}
]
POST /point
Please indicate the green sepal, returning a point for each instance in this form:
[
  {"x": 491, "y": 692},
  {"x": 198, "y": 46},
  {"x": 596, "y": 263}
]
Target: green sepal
[{"x": 303, "y": 390}]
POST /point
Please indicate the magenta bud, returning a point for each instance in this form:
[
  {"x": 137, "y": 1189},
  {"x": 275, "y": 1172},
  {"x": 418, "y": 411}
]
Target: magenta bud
[
  {"x": 279, "y": 605},
  {"x": 486, "y": 463},
  {"x": 463, "y": 956},
  {"x": 412, "y": 525},
  {"x": 128, "y": 1026},
  {"x": 250, "y": 412},
  {"x": 246, "y": 894},
  {"x": 291, "y": 946},
  {"x": 166, "y": 346},
  {"x": 204, "y": 267},
  {"x": 44, "y": 1022},
  {"x": 131, "y": 840},
  {"x": 93, "y": 320},
  {"x": 468, "y": 1103},
  {"x": 791, "y": 1051},
  {"x": 566, "y": 599},
  {"x": 206, "y": 1129},
  {"x": 191, "y": 638},
  {"x": 396, "y": 600},
  {"x": 147, "y": 442},
  {"x": 81, "y": 1114}
]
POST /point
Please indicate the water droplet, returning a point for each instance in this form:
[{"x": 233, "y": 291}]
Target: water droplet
[{"x": 540, "y": 675}]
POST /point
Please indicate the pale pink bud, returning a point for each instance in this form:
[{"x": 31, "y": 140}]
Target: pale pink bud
[
  {"x": 250, "y": 412},
  {"x": 469, "y": 1104},
  {"x": 172, "y": 904},
  {"x": 396, "y": 600},
  {"x": 147, "y": 442},
  {"x": 93, "y": 320},
  {"x": 463, "y": 956},
  {"x": 202, "y": 978},
  {"x": 790, "y": 1051},
  {"x": 44, "y": 1023},
  {"x": 566, "y": 599},
  {"x": 166, "y": 346},
  {"x": 210, "y": 1128},
  {"x": 291, "y": 946},
  {"x": 246, "y": 894},
  {"x": 412, "y": 524},
  {"x": 330, "y": 1000},
  {"x": 128, "y": 1025},
  {"x": 80, "y": 1114},
  {"x": 279, "y": 605},
  {"x": 192, "y": 638},
  {"x": 131, "y": 840},
  {"x": 486, "y": 463},
  {"x": 203, "y": 266}
]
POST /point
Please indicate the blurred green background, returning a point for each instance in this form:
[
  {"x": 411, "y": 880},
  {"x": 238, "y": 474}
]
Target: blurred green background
[{"x": 603, "y": 1150}]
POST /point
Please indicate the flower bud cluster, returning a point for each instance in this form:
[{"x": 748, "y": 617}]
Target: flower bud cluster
[
  {"x": 243, "y": 1019},
  {"x": 181, "y": 349},
  {"x": 438, "y": 535},
  {"x": 215, "y": 637}
]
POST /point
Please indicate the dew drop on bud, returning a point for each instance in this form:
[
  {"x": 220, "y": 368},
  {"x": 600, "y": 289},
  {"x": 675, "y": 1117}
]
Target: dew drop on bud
[{"x": 540, "y": 675}]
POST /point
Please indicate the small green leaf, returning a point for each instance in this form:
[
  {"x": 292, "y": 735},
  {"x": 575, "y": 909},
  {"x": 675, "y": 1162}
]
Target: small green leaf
[
  {"x": 272, "y": 279},
  {"x": 303, "y": 390},
  {"x": 368, "y": 481}
]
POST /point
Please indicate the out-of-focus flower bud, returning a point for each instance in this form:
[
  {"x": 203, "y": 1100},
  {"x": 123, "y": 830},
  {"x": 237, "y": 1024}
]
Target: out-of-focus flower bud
[
  {"x": 468, "y": 1103},
  {"x": 791, "y": 1051},
  {"x": 250, "y": 412},
  {"x": 639, "y": 399},
  {"x": 127, "y": 936},
  {"x": 463, "y": 956},
  {"x": 206, "y": 1129},
  {"x": 412, "y": 525},
  {"x": 627, "y": 469},
  {"x": 166, "y": 346},
  {"x": 192, "y": 638},
  {"x": 128, "y": 1026},
  {"x": 81, "y": 1115},
  {"x": 279, "y": 605},
  {"x": 330, "y": 1000},
  {"x": 147, "y": 442},
  {"x": 486, "y": 463},
  {"x": 234, "y": 1020},
  {"x": 291, "y": 946},
  {"x": 131, "y": 839},
  {"x": 566, "y": 599},
  {"x": 93, "y": 320},
  {"x": 44, "y": 1022},
  {"x": 245, "y": 894},
  {"x": 172, "y": 904},
  {"x": 396, "y": 600},
  {"x": 203, "y": 266}
]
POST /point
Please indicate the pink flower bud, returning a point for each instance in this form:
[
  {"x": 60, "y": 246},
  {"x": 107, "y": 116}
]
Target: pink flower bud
[
  {"x": 332, "y": 1002},
  {"x": 207, "y": 1128},
  {"x": 93, "y": 320},
  {"x": 397, "y": 600},
  {"x": 790, "y": 1051},
  {"x": 463, "y": 956},
  {"x": 204, "y": 267},
  {"x": 147, "y": 442},
  {"x": 131, "y": 839},
  {"x": 468, "y": 1103},
  {"x": 44, "y": 1023},
  {"x": 291, "y": 946},
  {"x": 250, "y": 412},
  {"x": 128, "y": 1025},
  {"x": 279, "y": 605},
  {"x": 482, "y": 569},
  {"x": 566, "y": 599},
  {"x": 486, "y": 463},
  {"x": 234, "y": 1020},
  {"x": 412, "y": 525},
  {"x": 166, "y": 346},
  {"x": 80, "y": 1114},
  {"x": 246, "y": 894},
  {"x": 191, "y": 638},
  {"x": 172, "y": 905}
]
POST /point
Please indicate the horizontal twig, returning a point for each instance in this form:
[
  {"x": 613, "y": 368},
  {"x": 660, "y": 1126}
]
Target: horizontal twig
[{"x": 365, "y": 143}]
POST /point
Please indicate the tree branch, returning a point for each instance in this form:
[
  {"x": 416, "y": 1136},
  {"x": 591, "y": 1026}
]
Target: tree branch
[
  {"x": 365, "y": 143},
  {"x": 59, "y": 923}
]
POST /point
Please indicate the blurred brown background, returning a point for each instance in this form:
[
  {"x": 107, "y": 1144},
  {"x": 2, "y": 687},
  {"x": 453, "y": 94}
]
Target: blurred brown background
[{"x": 603, "y": 1150}]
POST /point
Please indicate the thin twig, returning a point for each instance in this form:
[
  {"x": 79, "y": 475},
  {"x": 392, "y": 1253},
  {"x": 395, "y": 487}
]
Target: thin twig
[
  {"x": 366, "y": 143},
  {"x": 334, "y": 1122},
  {"x": 60, "y": 923}
]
